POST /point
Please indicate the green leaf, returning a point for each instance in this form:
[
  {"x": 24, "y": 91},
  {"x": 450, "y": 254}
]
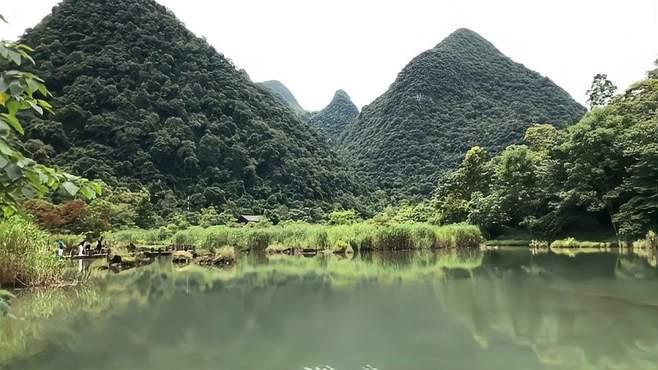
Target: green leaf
[
  {"x": 37, "y": 108},
  {"x": 3, "y": 19},
  {"x": 26, "y": 56},
  {"x": 25, "y": 47},
  {"x": 5, "y": 148},
  {"x": 16, "y": 88},
  {"x": 70, "y": 188},
  {"x": 8, "y": 211},
  {"x": 15, "y": 57},
  {"x": 32, "y": 84},
  {"x": 87, "y": 193},
  {"x": 98, "y": 189},
  {"x": 13, "y": 172},
  {"x": 13, "y": 122},
  {"x": 44, "y": 90},
  {"x": 4, "y": 85},
  {"x": 28, "y": 192}
]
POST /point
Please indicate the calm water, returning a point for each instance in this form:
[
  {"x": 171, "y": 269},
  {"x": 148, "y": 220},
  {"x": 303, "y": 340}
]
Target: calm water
[{"x": 475, "y": 310}]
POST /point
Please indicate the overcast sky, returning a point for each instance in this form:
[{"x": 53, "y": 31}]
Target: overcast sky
[{"x": 316, "y": 47}]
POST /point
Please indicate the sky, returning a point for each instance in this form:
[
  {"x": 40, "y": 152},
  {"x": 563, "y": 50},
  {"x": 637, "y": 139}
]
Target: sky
[{"x": 317, "y": 47}]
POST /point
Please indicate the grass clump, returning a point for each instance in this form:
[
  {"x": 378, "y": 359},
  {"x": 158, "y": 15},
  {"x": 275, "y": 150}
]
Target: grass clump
[
  {"x": 573, "y": 243},
  {"x": 27, "y": 257},
  {"x": 508, "y": 243}
]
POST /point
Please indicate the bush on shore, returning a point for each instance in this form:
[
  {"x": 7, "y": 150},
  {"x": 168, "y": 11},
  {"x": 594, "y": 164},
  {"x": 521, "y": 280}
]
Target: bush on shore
[{"x": 26, "y": 256}]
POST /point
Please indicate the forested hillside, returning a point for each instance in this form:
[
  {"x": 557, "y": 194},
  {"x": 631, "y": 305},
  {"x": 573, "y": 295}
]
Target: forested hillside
[
  {"x": 461, "y": 93},
  {"x": 334, "y": 118},
  {"x": 141, "y": 102},
  {"x": 598, "y": 175},
  {"x": 286, "y": 96}
]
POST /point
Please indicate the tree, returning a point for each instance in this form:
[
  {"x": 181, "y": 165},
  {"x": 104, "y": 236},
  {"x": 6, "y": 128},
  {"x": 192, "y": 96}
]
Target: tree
[
  {"x": 343, "y": 217},
  {"x": 21, "y": 177},
  {"x": 601, "y": 91}
]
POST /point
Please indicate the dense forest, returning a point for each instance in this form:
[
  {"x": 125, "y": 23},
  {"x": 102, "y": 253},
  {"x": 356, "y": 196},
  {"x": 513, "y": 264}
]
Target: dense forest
[
  {"x": 284, "y": 95},
  {"x": 144, "y": 105},
  {"x": 600, "y": 174},
  {"x": 334, "y": 118},
  {"x": 179, "y": 136},
  {"x": 462, "y": 93}
]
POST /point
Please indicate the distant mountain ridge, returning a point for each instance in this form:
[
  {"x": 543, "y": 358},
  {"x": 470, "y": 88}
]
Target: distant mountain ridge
[
  {"x": 334, "y": 118},
  {"x": 461, "y": 93},
  {"x": 282, "y": 92}
]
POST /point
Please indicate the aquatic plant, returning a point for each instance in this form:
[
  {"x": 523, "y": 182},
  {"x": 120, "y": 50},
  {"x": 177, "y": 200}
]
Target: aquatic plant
[
  {"x": 573, "y": 243},
  {"x": 538, "y": 244}
]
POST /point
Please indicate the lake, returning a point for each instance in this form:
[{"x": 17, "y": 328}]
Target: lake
[{"x": 497, "y": 309}]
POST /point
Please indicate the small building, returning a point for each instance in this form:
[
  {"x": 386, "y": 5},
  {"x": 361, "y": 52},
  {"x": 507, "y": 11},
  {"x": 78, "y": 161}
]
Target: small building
[{"x": 245, "y": 219}]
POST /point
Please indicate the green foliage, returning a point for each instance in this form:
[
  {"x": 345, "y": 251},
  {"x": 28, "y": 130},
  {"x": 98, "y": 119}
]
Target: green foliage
[
  {"x": 116, "y": 208},
  {"x": 358, "y": 236},
  {"x": 333, "y": 120},
  {"x": 211, "y": 217},
  {"x": 601, "y": 91},
  {"x": 27, "y": 258},
  {"x": 343, "y": 217},
  {"x": 21, "y": 177},
  {"x": 146, "y": 104},
  {"x": 599, "y": 174},
  {"x": 462, "y": 93},
  {"x": 573, "y": 243}
]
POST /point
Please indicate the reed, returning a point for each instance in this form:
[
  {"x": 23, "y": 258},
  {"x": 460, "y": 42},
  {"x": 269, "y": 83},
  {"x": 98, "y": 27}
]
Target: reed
[
  {"x": 361, "y": 236},
  {"x": 27, "y": 258}
]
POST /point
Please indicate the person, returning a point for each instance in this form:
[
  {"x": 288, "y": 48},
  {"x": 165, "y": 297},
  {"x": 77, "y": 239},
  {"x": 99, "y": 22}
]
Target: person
[
  {"x": 60, "y": 248},
  {"x": 99, "y": 245},
  {"x": 87, "y": 248},
  {"x": 81, "y": 248}
]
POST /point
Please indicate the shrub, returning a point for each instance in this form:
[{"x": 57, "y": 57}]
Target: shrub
[
  {"x": 26, "y": 256},
  {"x": 573, "y": 243}
]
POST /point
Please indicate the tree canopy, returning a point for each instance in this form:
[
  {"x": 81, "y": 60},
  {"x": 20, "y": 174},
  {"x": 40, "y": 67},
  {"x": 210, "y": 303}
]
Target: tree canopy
[
  {"x": 143, "y": 103},
  {"x": 600, "y": 174}
]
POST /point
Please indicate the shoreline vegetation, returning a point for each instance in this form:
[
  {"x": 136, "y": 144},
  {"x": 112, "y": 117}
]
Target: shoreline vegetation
[
  {"x": 27, "y": 253},
  {"x": 359, "y": 236}
]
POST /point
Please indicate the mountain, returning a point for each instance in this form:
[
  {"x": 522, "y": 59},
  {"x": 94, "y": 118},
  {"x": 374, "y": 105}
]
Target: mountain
[
  {"x": 334, "y": 118},
  {"x": 142, "y": 102},
  {"x": 463, "y": 92},
  {"x": 284, "y": 94}
]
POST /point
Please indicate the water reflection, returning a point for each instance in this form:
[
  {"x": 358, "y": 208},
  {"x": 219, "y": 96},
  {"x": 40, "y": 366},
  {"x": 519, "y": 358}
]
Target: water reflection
[{"x": 500, "y": 309}]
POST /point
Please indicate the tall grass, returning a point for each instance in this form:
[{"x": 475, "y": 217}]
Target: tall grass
[
  {"x": 359, "y": 236},
  {"x": 27, "y": 257}
]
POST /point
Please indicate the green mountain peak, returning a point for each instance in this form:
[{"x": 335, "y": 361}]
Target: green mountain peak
[
  {"x": 333, "y": 120},
  {"x": 461, "y": 93}
]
